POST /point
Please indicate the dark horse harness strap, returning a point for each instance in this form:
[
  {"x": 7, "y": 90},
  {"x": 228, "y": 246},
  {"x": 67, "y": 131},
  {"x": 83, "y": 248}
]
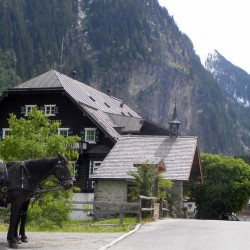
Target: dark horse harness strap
[
  {"x": 24, "y": 169},
  {"x": 24, "y": 186}
]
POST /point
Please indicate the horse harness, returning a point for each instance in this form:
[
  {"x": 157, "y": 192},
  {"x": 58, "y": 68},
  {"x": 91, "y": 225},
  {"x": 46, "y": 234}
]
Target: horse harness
[{"x": 36, "y": 189}]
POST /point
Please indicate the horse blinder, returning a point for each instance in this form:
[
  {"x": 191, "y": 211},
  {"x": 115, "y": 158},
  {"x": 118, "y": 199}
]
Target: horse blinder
[{"x": 67, "y": 183}]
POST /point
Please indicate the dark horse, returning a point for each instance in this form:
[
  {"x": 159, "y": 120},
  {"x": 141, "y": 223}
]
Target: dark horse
[{"x": 23, "y": 179}]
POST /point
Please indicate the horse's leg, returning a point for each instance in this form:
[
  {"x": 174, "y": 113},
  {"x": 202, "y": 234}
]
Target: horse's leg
[
  {"x": 14, "y": 212},
  {"x": 16, "y": 228},
  {"x": 23, "y": 216}
]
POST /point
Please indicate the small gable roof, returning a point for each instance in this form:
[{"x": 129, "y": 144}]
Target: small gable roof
[
  {"x": 179, "y": 154},
  {"x": 110, "y": 113}
]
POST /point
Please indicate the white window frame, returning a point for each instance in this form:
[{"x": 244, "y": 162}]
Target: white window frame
[
  {"x": 28, "y": 108},
  {"x": 87, "y": 130},
  {"x": 49, "y": 109},
  {"x": 60, "y": 130},
  {"x": 6, "y": 131}
]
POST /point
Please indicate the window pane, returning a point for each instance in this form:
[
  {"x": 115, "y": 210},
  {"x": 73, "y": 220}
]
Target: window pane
[
  {"x": 63, "y": 131},
  {"x": 50, "y": 109},
  {"x": 91, "y": 135},
  {"x": 28, "y": 108}
]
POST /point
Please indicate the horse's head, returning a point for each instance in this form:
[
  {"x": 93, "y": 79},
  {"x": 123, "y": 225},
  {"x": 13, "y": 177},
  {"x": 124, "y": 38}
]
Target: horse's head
[{"x": 62, "y": 172}]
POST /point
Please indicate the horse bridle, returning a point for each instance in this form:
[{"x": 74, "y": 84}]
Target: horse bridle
[{"x": 62, "y": 180}]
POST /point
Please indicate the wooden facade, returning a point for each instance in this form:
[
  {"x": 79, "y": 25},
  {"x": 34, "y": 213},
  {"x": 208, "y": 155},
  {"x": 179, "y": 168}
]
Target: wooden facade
[{"x": 75, "y": 111}]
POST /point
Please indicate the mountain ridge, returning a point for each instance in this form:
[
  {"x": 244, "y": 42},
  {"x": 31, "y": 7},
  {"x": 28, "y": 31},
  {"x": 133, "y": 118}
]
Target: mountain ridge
[
  {"x": 135, "y": 49},
  {"x": 235, "y": 83},
  {"x": 232, "y": 78}
]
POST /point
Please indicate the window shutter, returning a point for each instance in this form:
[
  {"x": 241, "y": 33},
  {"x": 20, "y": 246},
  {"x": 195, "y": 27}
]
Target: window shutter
[
  {"x": 97, "y": 135},
  {"x": 42, "y": 108},
  {"x": 23, "y": 110},
  {"x": 90, "y": 168},
  {"x": 56, "y": 110},
  {"x": 82, "y": 134},
  {"x": 77, "y": 170},
  {"x": 70, "y": 132}
]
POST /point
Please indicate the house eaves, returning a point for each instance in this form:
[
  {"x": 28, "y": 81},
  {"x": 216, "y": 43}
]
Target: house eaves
[{"x": 34, "y": 89}]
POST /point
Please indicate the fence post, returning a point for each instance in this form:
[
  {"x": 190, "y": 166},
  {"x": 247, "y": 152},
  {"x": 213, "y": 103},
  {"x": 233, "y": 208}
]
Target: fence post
[
  {"x": 160, "y": 208},
  {"x": 140, "y": 207},
  {"x": 121, "y": 215}
]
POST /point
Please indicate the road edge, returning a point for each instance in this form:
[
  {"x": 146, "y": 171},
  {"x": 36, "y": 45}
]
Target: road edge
[{"x": 120, "y": 238}]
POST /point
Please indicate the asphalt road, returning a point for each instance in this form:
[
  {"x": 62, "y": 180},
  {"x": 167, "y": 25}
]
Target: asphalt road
[
  {"x": 181, "y": 234},
  {"x": 63, "y": 241},
  {"x": 169, "y": 234}
]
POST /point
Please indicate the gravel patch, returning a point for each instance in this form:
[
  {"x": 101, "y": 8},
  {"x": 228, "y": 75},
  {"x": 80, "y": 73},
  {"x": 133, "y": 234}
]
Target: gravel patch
[{"x": 63, "y": 241}]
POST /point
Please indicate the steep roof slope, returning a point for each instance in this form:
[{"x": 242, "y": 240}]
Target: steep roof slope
[
  {"x": 180, "y": 155},
  {"x": 47, "y": 80}
]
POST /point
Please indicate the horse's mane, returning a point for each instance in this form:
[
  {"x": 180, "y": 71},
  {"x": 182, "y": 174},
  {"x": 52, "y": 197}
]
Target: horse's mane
[{"x": 41, "y": 163}]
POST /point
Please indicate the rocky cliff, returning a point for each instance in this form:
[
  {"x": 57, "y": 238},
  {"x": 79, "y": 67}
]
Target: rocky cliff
[{"x": 132, "y": 47}]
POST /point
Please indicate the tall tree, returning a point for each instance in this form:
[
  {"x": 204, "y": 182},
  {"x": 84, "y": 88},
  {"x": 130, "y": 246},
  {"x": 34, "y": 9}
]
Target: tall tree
[
  {"x": 8, "y": 76},
  {"x": 226, "y": 187},
  {"x": 37, "y": 137}
]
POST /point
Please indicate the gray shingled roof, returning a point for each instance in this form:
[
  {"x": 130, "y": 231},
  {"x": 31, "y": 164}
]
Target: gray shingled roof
[
  {"x": 108, "y": 111},
  {"x": 46, "y": 80},
  {"x": 178, "y": 154}
]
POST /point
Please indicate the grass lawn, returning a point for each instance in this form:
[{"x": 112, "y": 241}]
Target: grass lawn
[{"x": 90, "y": 226}]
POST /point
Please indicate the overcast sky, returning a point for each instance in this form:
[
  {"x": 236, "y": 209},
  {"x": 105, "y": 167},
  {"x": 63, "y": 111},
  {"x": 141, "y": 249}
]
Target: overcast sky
[{"x": 223, "y": 25}]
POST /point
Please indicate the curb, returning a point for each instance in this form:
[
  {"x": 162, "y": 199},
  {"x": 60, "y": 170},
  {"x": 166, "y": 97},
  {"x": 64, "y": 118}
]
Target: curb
[{"x": 120, "y": 238}]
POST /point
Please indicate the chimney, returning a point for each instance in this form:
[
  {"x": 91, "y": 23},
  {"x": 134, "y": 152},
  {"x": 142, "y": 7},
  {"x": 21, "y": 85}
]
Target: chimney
[
  {"x": 73, "y": 74},
  {"x": 108, "y": 91}
]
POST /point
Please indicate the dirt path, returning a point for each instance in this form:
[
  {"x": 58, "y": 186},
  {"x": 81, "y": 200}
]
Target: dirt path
[{"x": 63, "y": 241}]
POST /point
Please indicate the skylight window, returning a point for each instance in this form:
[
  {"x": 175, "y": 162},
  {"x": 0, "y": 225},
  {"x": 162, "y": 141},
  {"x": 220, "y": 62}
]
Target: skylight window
[
  {"x": 107, "y": 104},
  {"x": 92, "y": 98}
]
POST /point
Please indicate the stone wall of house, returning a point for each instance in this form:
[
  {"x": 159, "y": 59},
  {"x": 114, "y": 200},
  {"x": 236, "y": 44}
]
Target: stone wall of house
[
  {"x": 109, "y": 191},
  {"x": 116, "y": 191},
  {"x": 177, "y": 190}
]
